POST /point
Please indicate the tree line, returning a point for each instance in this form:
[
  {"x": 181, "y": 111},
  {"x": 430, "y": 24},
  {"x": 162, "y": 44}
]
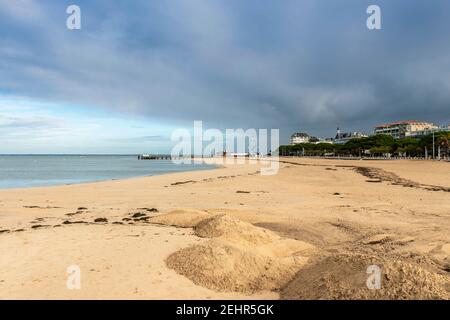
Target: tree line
[{"x": 377, "y": 145}]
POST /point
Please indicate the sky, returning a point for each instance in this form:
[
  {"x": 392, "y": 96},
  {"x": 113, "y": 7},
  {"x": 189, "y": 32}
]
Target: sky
[{"x": 139, "y": 69}]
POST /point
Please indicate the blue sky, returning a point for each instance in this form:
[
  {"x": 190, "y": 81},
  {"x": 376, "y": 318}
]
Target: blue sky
[{"x": 139, "y": 69}]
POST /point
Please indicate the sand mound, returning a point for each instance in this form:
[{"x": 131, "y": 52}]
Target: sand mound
[
  {"x": 221, "y": 266},
  {"x": 184, "y": 218},
  {"x": 344, "y": 277},
  {"x": 245, "y": 235},
  {"x": 445, "y": 252},
  {"x": 233, "y": 229},
  {"x": 239, "y": 257}
]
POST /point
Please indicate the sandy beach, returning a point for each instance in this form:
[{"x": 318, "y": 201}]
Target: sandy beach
[{"x": 308, "y": 232}]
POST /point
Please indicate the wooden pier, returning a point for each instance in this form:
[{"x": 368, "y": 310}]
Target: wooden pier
[
  {"x": 163, "y": 157},
  {"x": 154, "y": 157}
]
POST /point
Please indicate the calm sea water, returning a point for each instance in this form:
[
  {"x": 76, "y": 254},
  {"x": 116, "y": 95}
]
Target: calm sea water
[{"x": 21, "y": 171}]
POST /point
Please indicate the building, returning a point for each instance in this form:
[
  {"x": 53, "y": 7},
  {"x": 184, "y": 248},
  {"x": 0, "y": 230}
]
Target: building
[
  {"x": 422, "y": 133},
  {"x": 342, "y": 138},
  {"x": 402, "y": 129},
  {"x": 299, "y": 137},
  {"x": 327, "y": 140}
]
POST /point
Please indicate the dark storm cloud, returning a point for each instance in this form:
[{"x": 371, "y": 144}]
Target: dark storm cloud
[{"x": 295, "y": 65}]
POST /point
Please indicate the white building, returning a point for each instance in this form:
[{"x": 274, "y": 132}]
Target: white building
[
  {"x": 299, "y": 137},
  {"x": 402, "y": 129},
  {"x": 342, "y": 138},
  {"x": 421, "y": 133}
]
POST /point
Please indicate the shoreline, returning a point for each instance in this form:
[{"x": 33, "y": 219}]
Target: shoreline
[
  {"x": 342, "y": 216},
  {"x": 215, "y": 163}
]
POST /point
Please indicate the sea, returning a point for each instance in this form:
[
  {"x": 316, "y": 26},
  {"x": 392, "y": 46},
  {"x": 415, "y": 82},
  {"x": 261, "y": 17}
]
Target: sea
[{"x": 25, "y": 171}]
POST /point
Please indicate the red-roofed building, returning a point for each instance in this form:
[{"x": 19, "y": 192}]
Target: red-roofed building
[{"x": 402, "y": 129}]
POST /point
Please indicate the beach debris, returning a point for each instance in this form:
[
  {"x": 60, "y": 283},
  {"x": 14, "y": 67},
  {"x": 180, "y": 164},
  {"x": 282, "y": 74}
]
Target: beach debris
[
  {"x": 374, "y": 180},
  {"x": 241, "y": 191},
  {"x": 138, "y": 215},
  {"x": 38, "y": 226},
  {"x": 39, "y": 207},
  {"x": 73, "y": 213},
  {"x": 182, "y": 182},
  {"x": 141, "y": 219},
  {"x": 73, "y": 222},
  {"x": 375, "y": 174},
  {"x": 149, "y": 209},
  {"x": 79, "y": 211}
]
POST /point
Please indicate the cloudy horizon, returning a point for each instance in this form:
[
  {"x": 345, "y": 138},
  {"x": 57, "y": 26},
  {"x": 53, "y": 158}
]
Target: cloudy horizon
[{"x": 139, "y": 69}]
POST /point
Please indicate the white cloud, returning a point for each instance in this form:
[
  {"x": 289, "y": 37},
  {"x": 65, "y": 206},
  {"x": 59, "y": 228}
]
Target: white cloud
[{"x": 25, "y": 10}]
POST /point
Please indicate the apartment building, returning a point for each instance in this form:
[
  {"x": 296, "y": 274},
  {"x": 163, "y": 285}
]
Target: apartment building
[{"x": 403, "y": 129}]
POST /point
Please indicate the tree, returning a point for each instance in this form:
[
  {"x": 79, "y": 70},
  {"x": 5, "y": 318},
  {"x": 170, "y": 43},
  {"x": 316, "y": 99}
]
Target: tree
[
  {"x": 380, "y": 151},
  {"x": 375, "y": 145},
  {"x": 444, "y": 142}
]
